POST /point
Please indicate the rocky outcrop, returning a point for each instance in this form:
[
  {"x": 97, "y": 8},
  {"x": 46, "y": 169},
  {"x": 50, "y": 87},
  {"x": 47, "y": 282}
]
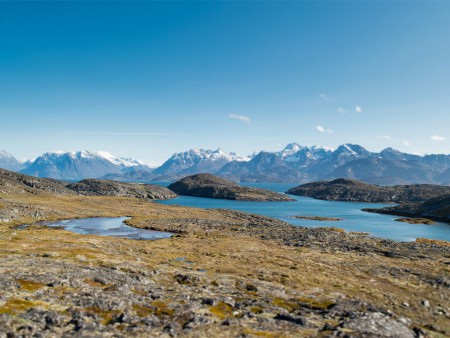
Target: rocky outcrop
[
  {"x": 356, "y": 191},
  {"x": 319, "y": 218},
  {"x": 15, "y": 183},
  {"x": 437, "y": 209},
  {"x": 91, "y": 187},
  {"x": 207, "y": 185}
]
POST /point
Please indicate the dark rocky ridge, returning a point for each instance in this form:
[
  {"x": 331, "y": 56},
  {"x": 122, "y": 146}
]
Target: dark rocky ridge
[
  {"x": 356, "y": 191},
  {"x": 437, "y": 209},
  {"x": 91, "y": 187},
  {"x": 12, "y": 182},
  {"x": 207, "y": 185}
]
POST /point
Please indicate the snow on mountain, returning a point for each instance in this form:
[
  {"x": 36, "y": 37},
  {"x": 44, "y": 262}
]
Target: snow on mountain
[
  {"x": 124, "y": 162},
  {"x": 75, "y": 165},
  {"x": 9, "y": 162},
  {"x": 294, "y": 163},
  {"x": 196, "y": 161},
  {"x": 307, "y": 156},
  {"x": 349, "y": 152},
  {"x": 289, "y": 150}
]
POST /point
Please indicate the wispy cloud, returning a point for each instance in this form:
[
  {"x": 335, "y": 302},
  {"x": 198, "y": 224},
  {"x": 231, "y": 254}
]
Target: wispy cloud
[
  {"x": 120, "y": 133},
  {"x": 385, "y": 137},
  {"x": 341, "y": 110},
  {"x": 358, "y": 109},
  {"x": 321, "y": 129},
  {"x": 242, "y": 118},
  {"x": 438, "y": 138},
  {"x": 406, "y": 143},
  {"x": 324, "y": 96}
]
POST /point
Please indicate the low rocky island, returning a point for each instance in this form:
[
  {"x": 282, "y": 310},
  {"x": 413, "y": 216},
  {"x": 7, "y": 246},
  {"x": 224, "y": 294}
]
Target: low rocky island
[
  {"x": 348, "y": 190},
  {"x": 223, "y": 274},
  {"x": 207, "y": 185},
  {"x": 92, "y": 187},
  {"x": 415, "y": 220},
  {"x": 318, "y": 218}
]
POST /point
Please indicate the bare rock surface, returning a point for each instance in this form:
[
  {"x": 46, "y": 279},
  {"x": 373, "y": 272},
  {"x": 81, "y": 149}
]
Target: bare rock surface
[
  {"x": 207, "y": 185},
  {"x": 343, "y": 189},
  {"x": 94, "y": 187},
  {"x": 12, "y": 182}
]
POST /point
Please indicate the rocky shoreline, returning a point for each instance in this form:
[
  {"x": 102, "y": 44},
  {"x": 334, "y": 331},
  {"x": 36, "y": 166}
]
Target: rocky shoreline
[{"x": 343, "y": 189}]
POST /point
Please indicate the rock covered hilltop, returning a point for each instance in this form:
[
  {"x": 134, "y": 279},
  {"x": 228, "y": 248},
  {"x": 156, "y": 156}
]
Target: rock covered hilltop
[
  {"x": 417, "y": 201},
  {"x": 355, "y": 191},
  {"x": 437, "y": 208},
  {"x": 91, "y": 187},
  {"x": 207, "y": 185}
]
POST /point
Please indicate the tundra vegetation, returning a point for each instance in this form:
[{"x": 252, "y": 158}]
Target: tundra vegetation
[{"x": 222, "y": 274}]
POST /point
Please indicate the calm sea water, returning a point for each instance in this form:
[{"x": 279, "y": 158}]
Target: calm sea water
[{"x": 354, "y": 219}]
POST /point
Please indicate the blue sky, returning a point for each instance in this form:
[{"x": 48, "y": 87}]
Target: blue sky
[{"x": 146, "y": 79}]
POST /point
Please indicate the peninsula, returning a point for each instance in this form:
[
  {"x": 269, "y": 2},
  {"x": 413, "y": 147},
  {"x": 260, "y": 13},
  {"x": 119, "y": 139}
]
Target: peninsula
[{"x": 207, "y": 185}]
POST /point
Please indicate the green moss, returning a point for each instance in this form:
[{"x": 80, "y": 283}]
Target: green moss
[
  {"x": 94, "y": 283},
  {"x": 222, "y": 310},
  {"x": 162, "y": 308},
  {"x": 142, "y": 311},
  {"x": 256, "y": 309},
  {"x": 285, "y": 304},
  {"x": 139, "y": 292},
  {"x": 29, "y": 285},
  {"x": 14, "y": 306},
  {"x": 247, "y": 331},
  {"x": 105, "y": 315},
  {"x": 317, "y": 304}
]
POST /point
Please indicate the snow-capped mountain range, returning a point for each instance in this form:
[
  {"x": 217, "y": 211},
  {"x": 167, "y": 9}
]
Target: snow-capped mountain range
[
  {"x": 196, "y": 161},
  {"x": 293, "y": 164},
  {"x": 70, "y": 165}
]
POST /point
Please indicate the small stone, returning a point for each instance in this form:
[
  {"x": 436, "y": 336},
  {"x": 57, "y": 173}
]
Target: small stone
[
  {"x": 328, "y": 327},
  {"x": 425, "y": 303},
  {"x": 405, "y": 304},
  {"x": 208, "y": 301},
  {"x": 403, "y": 320},
  {"x": 230, "y": 301}
]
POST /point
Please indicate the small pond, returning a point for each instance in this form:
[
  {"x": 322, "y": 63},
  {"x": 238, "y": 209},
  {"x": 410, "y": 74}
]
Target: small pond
[{"x": 106, "y": 226}]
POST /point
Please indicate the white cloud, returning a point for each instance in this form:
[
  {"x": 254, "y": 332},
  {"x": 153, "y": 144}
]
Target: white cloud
[
  {"x": 358, "y": 109},
  {"x": 323, "y": 96},
  {"x": 242, "y": 118},
  {"x": 321, "y": 129},
  {"x": 406, "y": 143},
  {"x": 438, "y": 138},
  {"x": 385, "y": 137},
  {"x": 341, "y": 110},
  {"x": 120, "y": 133}
]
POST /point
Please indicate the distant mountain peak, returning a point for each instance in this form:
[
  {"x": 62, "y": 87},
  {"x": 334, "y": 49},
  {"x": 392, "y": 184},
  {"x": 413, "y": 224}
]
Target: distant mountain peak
[{"x": 9, "y": 162}]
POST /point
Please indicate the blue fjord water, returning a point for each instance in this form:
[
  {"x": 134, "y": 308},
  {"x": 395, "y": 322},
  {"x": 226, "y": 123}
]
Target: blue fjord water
[{"x": 354, "y": 219}]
